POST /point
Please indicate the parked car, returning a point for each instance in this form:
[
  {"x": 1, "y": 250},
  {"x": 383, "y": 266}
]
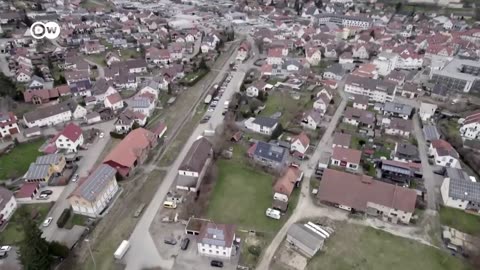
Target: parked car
[
  {"x": 184, "y": 244},
  {"x": 48, "y": 192},
  {"x": 101, "y": 135},
  {"x": 215, "y": 263},
  {"x": 170, "y": 241},
  {"x": 75, "y": 177},
  {"x": 6, "y": 248},
  {"x": 43, "y": 196},
  {"x": 47, "y": 222}
]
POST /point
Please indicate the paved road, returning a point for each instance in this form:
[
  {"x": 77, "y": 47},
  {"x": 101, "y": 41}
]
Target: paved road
[
  {"x": 143, "y": 252},
  {"x": 85, "y": 164},
  {"x": 305, "y": 202}
]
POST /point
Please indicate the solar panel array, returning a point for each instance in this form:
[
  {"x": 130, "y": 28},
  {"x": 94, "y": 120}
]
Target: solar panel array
[
  {"x": 96, "y": 182},
  {"x": 461, "y": 187},
  {"x": 214, "y": 237}
]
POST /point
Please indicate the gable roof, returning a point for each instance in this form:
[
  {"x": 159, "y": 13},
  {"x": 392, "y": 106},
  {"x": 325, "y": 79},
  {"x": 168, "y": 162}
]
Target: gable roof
[
  {"x": 444, "y": 148},
  {"x": 71, "y": 132},
  {"x": 343, "y": 139},
  {"x": 357, "y": 190},
  {"x": 217, "y": 234},
  {"x": 347, "y": 155},
  {"x": 197, "y": 156},
  {"x": 303, "y": 138},
  {"x": 286, "y": 182},
  {"x": 462, "y": 187},
  {"x": 265, "y": 121},
  {"x": 269, "y": 151},
  {"x": 95, "y": 183}
]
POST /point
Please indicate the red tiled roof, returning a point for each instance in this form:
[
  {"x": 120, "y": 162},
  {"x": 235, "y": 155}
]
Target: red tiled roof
[
  {"x": 114, "y": 98},
  {"x": 11, "y": 119},
  {"x": 303, "y": 138},
  {"x": 286, "y": 182},
  {"x": 357, "y": 190},
  {"x": 27, "y": 190},
  {"x": 71, "y": 131},
  {"x": 160, "y": 129},
  {"x": 275, "y": 52},
  {"x": 347, "y": 155}
]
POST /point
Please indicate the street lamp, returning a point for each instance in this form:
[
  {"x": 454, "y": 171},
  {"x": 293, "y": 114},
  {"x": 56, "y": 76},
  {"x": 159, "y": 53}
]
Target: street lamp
[{"x": 91, "y": 254}]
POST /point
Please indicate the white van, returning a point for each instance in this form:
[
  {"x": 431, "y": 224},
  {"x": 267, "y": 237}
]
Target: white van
[
  {"x": 168, "y": 204},
  {"x": 272, "y": 213}
]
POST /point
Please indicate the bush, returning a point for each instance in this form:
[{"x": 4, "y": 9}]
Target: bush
[
  {"x": 62, "y": 220},
  {"x": 255, "y": 250},
  {"x": 277, "y": 132},
  {"x": 116, "y": 135},
  {"x": 56, "y": 249}
]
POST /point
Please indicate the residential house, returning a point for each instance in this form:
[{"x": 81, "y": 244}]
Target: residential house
[
  {"x": 299, "y": 144},
  {"x": 36, "y": 83},
  {"x": 377, "y": 90},
  {"x": 39, "y": 96},
  {"x": 216, "y": 240},
  {"x": 45, "y": 167},
  {"x": 142, "y": 104},
  {"x": 430, "y": 133},
  {"x": 243, "y": 51},
  {"x": 275, "y": 56},
  {"x": 345, "y": 157},
  {"x": 92, "y": 47},
  {"x": 284, "y": 185},
  {"x": 195, "y": 165},
  {"x": 23, "y": 75},
  {"x": 76, "y": 76},
  {"x": 359, "y": 118},
  {"x": 360, "y": 51},
  {"x": 362, "y": 194},
  {"x": 405, "y": 152},
  {"x": 132, "y": 151},
  {"x": 8, "y": 205},
  {"x": 127, "y": 118},
  {"x": 461, "y": 191},
  {"x": 54, "y": 114},
  {"x": 410, "y": 90},
  {"x": 311, "y": 119},
  {"x": 254, "y": 89},
  {"x": 113, "y": 101},
  {"x": 321, "y": 103},
  {"x": 269, "y": 155},
  {"x": 360, "y": 102},
  {"x": 69, "y": 139},
  {"x": 8, "y": 124},
  {"x": 470, "y": 128},
  {"x": 313, "y": 55},
  {"x": 399, "y": 127},
  {"x": 304, "y": 239},
  {"x": 111, "y": 58},
  {"x": 345, "y": 58},
  {"x": 444, "y": 154},
  {"x": 262, "y": 124},
  {"x": 341, "y": 140},
  {"x": 427, "y": 110},
  {"x": 27, "y": 192},
  {"x": 400, "y": 172},
  {"x": 334, "y": 72},
  {"x": 94, "y": 193},
  {"x": 397, "y": 110}
]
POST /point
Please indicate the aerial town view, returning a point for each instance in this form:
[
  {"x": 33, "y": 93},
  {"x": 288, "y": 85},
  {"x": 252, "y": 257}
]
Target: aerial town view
[{"x": 240, "y": 134}]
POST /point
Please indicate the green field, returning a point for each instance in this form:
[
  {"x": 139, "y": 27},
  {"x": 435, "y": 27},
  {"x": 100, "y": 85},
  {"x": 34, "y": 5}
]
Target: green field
[
  {"x": 16, "y": 163},
  {"x": 242, "y": 194},
  {"x": 359, "y": 247},
  {"x": 458, "y": 219},
  {"x": 13, "y": 233},
  {"x": 283, "y": 102}
]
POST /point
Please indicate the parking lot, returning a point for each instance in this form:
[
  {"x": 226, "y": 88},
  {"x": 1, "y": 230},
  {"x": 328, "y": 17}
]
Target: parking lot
[
  {"x": 10, "y": 262},
  {"x": 56, "y": 191}
]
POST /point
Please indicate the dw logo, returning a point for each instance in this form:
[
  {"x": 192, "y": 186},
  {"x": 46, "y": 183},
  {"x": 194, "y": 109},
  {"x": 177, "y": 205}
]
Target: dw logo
[{"x": 50, "y": 30}]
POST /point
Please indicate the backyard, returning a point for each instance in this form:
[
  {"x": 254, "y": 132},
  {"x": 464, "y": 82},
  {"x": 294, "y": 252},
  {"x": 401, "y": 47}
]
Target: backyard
[
  {"x": 13, "y": 233},
  {"x": 16, "y": 163},
  {"x": 359, "y": 247},
  {"x": 458, "y": 219},
  {"x": 283, "y": 102}
]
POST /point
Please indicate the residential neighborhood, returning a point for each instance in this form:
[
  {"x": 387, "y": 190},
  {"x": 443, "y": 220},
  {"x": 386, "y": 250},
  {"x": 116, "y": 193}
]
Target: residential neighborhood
[{"x": 244, "y": 134}]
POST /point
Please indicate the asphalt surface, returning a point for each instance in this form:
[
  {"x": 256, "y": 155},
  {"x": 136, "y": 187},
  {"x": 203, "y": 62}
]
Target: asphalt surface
[{"x": 143, "y": 252}]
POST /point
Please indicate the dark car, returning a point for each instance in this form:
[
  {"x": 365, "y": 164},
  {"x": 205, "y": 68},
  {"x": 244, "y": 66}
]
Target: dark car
[
  {"x": 47, "y": 192},
  {"x": 216, "y": 263},
  {"x": 170, "y": 241},
  {"x": 184, "y": 244}
]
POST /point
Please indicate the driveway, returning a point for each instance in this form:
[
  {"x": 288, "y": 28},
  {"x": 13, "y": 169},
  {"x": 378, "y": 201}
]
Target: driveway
[
  {"x": 143, "y": 252},
  {"x": 86, "y": 163}
]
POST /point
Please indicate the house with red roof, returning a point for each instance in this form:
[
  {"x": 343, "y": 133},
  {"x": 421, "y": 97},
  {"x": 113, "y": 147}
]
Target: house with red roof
[
  {"x": 27, "y": 192},
  {"x": 471, "y": 126},
  {"x": 444, "y": 154},
  {"x": 300, "y": 144},
  {"x": 285, "y": 184},
  {"x": 39, "y": 96},
  {"x": 132, "y": 151},
  {"x": 362, "y": 194},
  {"x": 243, "y": 51},
  {"x": 346, "y": 157},
  {"x": 275, "y": 56},
  {"x": 70, "y": 138},
  {"x": 113, "y": 101},
  {"x": 8, "y": 124}
]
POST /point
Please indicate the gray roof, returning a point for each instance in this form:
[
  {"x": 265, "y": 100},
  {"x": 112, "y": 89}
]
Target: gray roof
[
  {"x": 371, "y": 84},
  {"x": 393, "y": 107},
  {"x": 306, "y": 236},
  {"x": 270, "y": 151},
  {"x": 440, "y": 90},
  {"x": 5, "y": 196},
  {"x": 462, "y": 187},
  {"x": 406, "y": 149},
  {"x": 138, "y": 102},
  {"x": 431, "y": 133},
  {"x": 95, "y": 183},
  {"x": 265, "y": 121},
  {"x": 454, "y": 69},
  {"x": 49, "y": 111},
  {"x": 37, "y": 171},
  {"x": 336, "y": 69},
  {"x": 48, "y": 159}
]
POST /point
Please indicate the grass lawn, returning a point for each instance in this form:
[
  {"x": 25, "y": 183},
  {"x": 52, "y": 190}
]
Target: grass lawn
[
  {"x": 382, "y": 152},
  {"x": 458, "y": 219},
  {"x": 279, "y": 101},
  {"x": 99, "y": 59},
  {"x": 355, "y": 143},
  {"x": 76, "y": 219},
  {"x": 13, "y": 233},
  {"x": 359, "y": 247},
  {"x": 126, "y": 54},
  {"x": 347, "y": 128},
  {"x": 16, "y": 163},
  {"x": 191, "y": 77}
]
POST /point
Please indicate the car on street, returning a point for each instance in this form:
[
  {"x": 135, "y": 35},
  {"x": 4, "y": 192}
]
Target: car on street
[
  {"x": 48, "y": 192},
  {"x": 205, "y": 119},
  {"x": 43, "y": 196},
  {"x": 211, "y": 109},
  {"x": 47, "y": 222},
  {"x": 215, "y": 102},
  {"x": 216, "y": 263},
  {"x": 184, "y": 244},
  {"x": 170, "y": 241},
  {"x": 101, "y": 135},
  {"x": 75, "y": 177},
  {"x": 6, "y": 248}
]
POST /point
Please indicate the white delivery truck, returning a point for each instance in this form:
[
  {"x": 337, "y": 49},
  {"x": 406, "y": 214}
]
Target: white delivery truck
[
  {"x": 208, "y": 132},
  {"x": 121, "y": 250},
  {"x": 272, "y": 213},
  {"x": 225, "y": 105},
  {"x": 208, "y": 99}
]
